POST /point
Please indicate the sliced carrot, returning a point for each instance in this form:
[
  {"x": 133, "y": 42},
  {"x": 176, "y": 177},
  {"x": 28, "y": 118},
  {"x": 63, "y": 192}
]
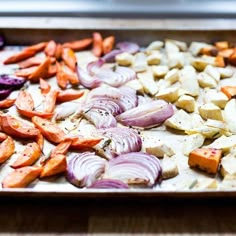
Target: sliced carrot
[
  {"x": 37, "y": 47},
  {"x": 49, "y": 130},
  {"x": 61, "y": 148},
  {"x": 29, "y": 156},
  {"x": 206, "y": 159},
  {"x": 219, "y": 60},
  {"x": 108, "y": 44},
  {"x": 54, "y": 165},
  {"x": 17, "y": 128},
  {"x": 209, "y": 51},
  {"x": 69, "y": 95},
  {"x": 58, "y": 52},
  {"x": 50, "y": 49},
  {"x": 7, "y": 148},
  {"x": 79, "y": 142},
  {"x": 226, "y": 53},
  {"x": 229, "y": 91},
  {"x": 25, "y": 105},
  {"x": 2, "y": 137},
  {"x": 69, "y": 57},
  {"x": 50, "y": 101},
  {"x": 4, "y": 104},
  {"x": 21, "y": 177},
  {"x": 222, "y": 45},
  {"x": 62, "y": 76},
  {"x": 78, "y": 45},
  {"x": 232, "y": 58},
  {"x": 20, "y": 56},
  {"x": 41, "y": 71},
  {"x": 40, "y": 140},
  {"x": 33, "y": 61},
  {"x": 97, "y": 44},
  {"x": 44, "y": 86},
  {"x": 24, "y": 101},
  {"x": 26, "y": 72}
]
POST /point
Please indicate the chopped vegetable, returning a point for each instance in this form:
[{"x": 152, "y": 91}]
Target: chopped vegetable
[
  {"x": 206, "y": 159},
  {"x": 97, "y": 44},
  {"x": 7, "y": 148},
  {"x": 7, "y": 103}
]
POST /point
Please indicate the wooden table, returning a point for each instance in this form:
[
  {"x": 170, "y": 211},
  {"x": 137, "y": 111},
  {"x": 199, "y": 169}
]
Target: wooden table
[{"x": 126, "y": 216}]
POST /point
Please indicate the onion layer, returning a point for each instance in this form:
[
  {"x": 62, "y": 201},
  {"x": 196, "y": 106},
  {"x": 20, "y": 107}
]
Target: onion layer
[
  {"x": 147, "y": 115},
  {"x": 109, "y": 184},
  {"x": 119, "y": 141},
  {"x": 83, "y": 169},
  {"x": 134, "y": 168},
  {"x": 129, "y": 47}
]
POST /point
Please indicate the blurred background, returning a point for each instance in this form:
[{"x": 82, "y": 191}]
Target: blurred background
[{"x": 121, "y": 8}]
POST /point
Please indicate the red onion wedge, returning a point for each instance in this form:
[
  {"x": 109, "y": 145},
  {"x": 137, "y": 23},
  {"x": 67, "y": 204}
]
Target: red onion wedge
[
  {"x": 110, "y": 57},
  {"x": 134, "y": 168},
  {"x": 129, "y": 47},
  {"x": 84, "y": 168},
  {"x": 119, "y": 141},
  {"x": 147, "y": 115},
  {"x": 109, "y": 184},
  {"x": 117, "y": 77},
  {"x": 94, "y": 67},
  {"x": 87, "y": 80},
  {"x": 125, "y": 97},
  {"x": 100, "y": 118}
]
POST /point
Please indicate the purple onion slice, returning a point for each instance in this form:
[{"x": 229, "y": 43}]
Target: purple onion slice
[
  {"x": 129, "y": 47},
  {"x": 109, "y": 184},
  {"x": 84, "y": 169},
  {"x": 110, "y": 57},
  {"x": 135, "y": 168},
  {"x": 118, "y": 141},
  {"x": 147, "y": 115}
]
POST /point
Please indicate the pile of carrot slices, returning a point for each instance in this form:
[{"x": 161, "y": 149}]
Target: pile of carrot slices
[{"x": 60, "y": 61}]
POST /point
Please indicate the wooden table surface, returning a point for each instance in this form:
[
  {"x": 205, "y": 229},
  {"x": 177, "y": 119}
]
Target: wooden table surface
[{"x": 110, "y": 216}]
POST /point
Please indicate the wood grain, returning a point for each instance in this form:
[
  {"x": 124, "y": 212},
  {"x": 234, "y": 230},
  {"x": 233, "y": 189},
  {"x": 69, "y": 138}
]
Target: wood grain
[{"x": 126, "y": 217}]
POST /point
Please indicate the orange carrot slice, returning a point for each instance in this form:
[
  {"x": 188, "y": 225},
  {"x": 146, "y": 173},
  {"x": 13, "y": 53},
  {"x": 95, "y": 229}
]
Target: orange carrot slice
[
  {"x": 97, "y": 44},
  {"x": 78, "y": 45},
  {"x": 69, "y": 95},
  {"x": 108, "y": 44},
  {"x": 68, "y": 56}
]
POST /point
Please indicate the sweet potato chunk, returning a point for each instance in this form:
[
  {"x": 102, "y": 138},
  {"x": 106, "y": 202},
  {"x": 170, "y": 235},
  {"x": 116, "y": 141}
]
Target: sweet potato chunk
[
  {"x": 7, "y": 148},
  {"x": 206, "y": 159},
  {"x": 21, "y": 177}
]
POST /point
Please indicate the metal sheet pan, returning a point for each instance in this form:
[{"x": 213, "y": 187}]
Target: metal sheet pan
[{"x": 21, "y": 32}]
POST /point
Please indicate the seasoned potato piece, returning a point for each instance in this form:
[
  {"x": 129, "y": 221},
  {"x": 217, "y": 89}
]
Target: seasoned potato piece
[
  {"x": 225, "y": 72},
  {"x": 187, "y": 103},
  {"x": 206, "y": 81},
  {"x": 217, "y": 98},
  {"x": 228, "y": 166},
  {"x": 213, "y": 72},
  {"x": 196, "y": 47},
  {"x": 159, "y": 149},
  {"x": 180, "y": 44},
  {"x": 230, "y": 114},
  {"x": 154, "y": 58},
  {"x": 140, "y": 62},
  {"x": 160, "y": 71},
  {"x": 156, "y": 45},
  {"x": 168, "y": 94},
  {"x": 124, "y": 59},
  {"x": 205, "y": 183},
  {"x": 210, "y": 111},
  {"x": 169, "y": 168},
  {"x": 192, "y": 142},
  {"x": 172, "y": 76}
]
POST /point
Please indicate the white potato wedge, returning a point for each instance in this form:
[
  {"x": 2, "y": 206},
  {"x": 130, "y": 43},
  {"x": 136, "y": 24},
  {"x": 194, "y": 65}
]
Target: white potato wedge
[
  {"x": 210, "y": 111},
  {"x": 154, "y": 58},
  {"x": 140, "y": 62},
  {"x": 156, "y": 45},
  {"x": 180, "y": 44},
  {"x": 181, "y": 120},
  {"x": 196, "y": 47},
  {"x": 225, "y": 72},
  {"x": 206, "y": 131},
  {"x": 148, "y": 83},
  {"x": 159, "y": 149},
  {"x": 221, "y": 125},
  {"x": 124, "y": 59},
  {"x": 136, "y": 85},
  {"x": 217, "y": 98},
  {"x": 169, "y": 168},
  {"x": 200, "y": 63},
  {"x": 188, "y": 80},
  {"x": 160, "y": 71},
  {"x": 205, "y": 184},
  {"x": 192, "y": 142},
  {"x": 230, "y": 115},
  {"x": 213, "y": 72},
  {"x": 186, "y": 103},
  {"x": 168, "y": 94},
  {"x": 172, "y": 76},
  {"x": 224, "y": 143},
  {"x": 228, "y": 166},
  {"x": 171, "y": 48},
  {"x": 175, "y": 60},
  {"x": 206, "y": 81}
]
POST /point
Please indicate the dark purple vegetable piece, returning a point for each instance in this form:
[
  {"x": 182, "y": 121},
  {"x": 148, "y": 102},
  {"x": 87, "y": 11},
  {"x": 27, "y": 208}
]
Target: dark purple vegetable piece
[
  {"x": 4, "y": 93},
  {"x": 2, "y": 42},
  {"x": 11, "y": 82}
]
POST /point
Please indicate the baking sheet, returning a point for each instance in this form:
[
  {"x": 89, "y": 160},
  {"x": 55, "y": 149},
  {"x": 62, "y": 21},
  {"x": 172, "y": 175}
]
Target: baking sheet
[{"x": 57, "y": 186}]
